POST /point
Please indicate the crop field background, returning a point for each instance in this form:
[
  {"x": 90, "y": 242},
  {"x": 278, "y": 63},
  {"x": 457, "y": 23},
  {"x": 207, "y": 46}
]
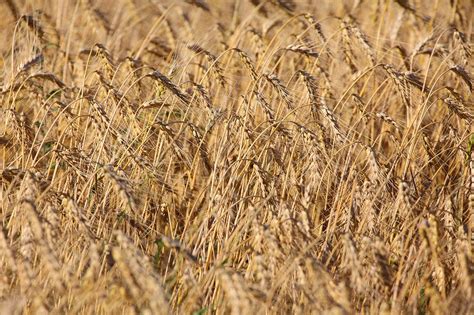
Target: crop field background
[{"x": 236, "y": 157}]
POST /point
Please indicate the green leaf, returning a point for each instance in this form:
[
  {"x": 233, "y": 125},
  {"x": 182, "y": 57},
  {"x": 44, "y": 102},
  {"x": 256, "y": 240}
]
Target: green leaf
[
  {"x": 159, "y": 250},
  {"x": 422, "y": 302},
  {"x": 469, "y": 147},
  {"x": 202, "y": 311}
]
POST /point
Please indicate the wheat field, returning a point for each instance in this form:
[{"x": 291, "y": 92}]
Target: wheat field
[{"x": 236, "y": 157}]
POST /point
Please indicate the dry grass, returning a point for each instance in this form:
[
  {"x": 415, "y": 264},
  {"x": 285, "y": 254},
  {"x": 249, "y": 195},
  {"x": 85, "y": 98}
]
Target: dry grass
[{"x": 236, "y": 157}]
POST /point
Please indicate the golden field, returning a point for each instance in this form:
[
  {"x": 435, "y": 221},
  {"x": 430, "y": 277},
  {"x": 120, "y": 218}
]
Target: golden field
[{"x": 236, "y": 157}]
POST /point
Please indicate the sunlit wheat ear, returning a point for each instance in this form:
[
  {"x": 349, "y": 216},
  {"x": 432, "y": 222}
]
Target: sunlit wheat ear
[
  {"x": 141, "y": 282},
  {"x": 176, "y": 146},
  {"x": 347, "y": 46},
  {"x": 383, "y": 116},
  {"x": 29, "y": 191},
  {"x": 327, "y": 88},
  {"x": 361, "y": 106},
  {"x": 460, "y": 39},
  {"x": 173, "y": 88},
  {"x": 134, "y": 68},
  {"x": 318, "y": 105},
  {"x": 122, "y": 266},
  {"x": 122, "y": 187},
  {"x": 462, "y": 73},
  {"x": 214, "y": 64},
  {"x": 51, "y": 220},
  {"x": 326, "y": 289},
  {"x": 48, "y": 256},
  {"x": 263, "y": 179},
  {"x": 247, "y": 62},
  {"x": 127, "y": 108},
  {"x": 400, "y": 82},
  {"x": 381, "y": 261},
  {"x": 7, "y": 253},
  {"x": 281, "y": 89},
  {"x": 419, "y": 47},
  {"x": 257, "y": 39},
  {"x": 317, "y": 27},
  {"x": 202, "y": 146},
  {"x": 74, "y": 158},
  {"x": 332, "y": 121},
  {"x": 464, "y": 260},
  {"x": 20, "y": 124},
  {"x": 205, "y": 96},
  {"x": 29, "y": 63},
  {"x": 376, "y": 172},
  {"x": 455, "y": 104},
  {"x": 404, "y": 202},
  {"x": 266, "y": 107},
  {"x": 448, "y": 218},
  {"x": 353, "y": 265},
  {"x": 361, "y": 38},
  {"x": 73, "y": 210},
  {"x": 49, "y": 77},
  {"x": 415, "y": 80},
  {"x": 104, "y": 56},
  {"x": 367, "y": 212},
  {"x": 93, "y": 269},
  {"x": 303, "y": 50},
  {"x": 260, "y": 271},
  {"x": 235, "y": 291},
  {"x": 34, "y": 240},
  {"x": 104, "y": 121},
  {"x": 104, "y": 127},
  {"x": 312, "y": 87},
  {"x": 429, "y": 231}
]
